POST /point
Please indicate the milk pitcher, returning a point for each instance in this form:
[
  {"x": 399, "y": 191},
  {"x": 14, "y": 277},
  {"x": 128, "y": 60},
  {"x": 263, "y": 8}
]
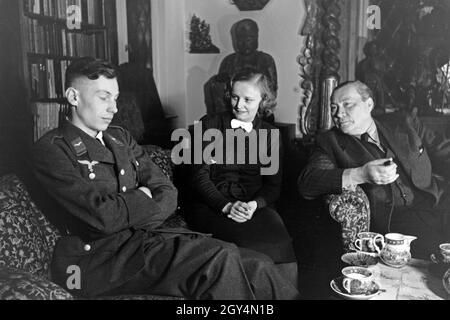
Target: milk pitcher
[{"x": 397, "y": 249}]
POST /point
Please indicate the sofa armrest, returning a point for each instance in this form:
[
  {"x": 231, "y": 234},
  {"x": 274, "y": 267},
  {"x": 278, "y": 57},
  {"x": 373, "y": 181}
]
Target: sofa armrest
[
  {"x": 351, "y": 209},
  {"x": 17, "y": 284}
]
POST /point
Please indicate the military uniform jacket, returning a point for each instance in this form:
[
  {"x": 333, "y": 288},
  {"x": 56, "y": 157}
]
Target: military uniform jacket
[{"x": 107, "y": 217}]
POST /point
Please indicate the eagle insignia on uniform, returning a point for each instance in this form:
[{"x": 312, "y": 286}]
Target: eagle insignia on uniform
[{"x": 90, "y": 166}]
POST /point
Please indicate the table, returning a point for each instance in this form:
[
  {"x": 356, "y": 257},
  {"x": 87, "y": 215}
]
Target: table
[{"x": 412, "y": 282}]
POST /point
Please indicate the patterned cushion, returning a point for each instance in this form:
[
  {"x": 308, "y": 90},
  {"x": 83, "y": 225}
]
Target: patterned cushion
[
  {"x": 20, "y": 285},
  {"x": 352, "y": 210},
  {"x": 162, "y": 158},
  {"x": 26, "y": 237}
]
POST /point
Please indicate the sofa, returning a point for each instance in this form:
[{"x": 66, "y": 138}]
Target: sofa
[{"x": 27, "y": 239}]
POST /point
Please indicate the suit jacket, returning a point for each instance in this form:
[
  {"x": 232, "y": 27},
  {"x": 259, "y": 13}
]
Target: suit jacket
[
  {"x": 106, "y": 216},
  {"x": 420, "y": 151}
]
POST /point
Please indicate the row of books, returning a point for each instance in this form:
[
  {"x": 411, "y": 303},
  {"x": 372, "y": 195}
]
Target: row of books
[
  {"x": 47, "y": 78},
  {"x": 57, "y": 40},
  {"x": 47, "y": 116},
  {"x": 87, "y": 11}
]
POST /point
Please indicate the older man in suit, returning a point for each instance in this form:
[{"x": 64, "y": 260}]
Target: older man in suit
[{"x": 395, "y": 162}]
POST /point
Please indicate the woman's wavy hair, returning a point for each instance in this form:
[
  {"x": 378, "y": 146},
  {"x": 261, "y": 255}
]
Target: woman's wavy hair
[{"x": 262, "y": 81}]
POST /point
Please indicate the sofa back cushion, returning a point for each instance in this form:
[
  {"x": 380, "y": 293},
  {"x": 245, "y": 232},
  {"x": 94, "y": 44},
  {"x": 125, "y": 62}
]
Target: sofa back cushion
[{"x": 27, "y": 238}]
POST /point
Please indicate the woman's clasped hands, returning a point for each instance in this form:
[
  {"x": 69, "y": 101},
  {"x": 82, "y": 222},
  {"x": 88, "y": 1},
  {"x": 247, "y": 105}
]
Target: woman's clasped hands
[{"x": 240, "y": 211}]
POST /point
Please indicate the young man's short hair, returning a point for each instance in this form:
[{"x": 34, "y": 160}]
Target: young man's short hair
[{"x": 89, "y": 67}]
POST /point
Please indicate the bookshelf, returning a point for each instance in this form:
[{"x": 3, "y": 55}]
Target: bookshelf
[{"x": 53, "y": 33}]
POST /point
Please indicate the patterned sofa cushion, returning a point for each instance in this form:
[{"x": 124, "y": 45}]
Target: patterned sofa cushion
[
  {"x": 26, "y": 237},
  {"x": 21, "y": 285},
  {"x": 161, "y": 157},
  {"x": 352, "y": 210}
]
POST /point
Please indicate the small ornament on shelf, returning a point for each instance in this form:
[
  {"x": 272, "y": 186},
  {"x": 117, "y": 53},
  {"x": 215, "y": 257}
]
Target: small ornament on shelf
[{"x": 200, "y": 39}]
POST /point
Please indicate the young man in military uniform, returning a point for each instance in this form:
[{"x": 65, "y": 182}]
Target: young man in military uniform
[{"x": 115, "y": 201}]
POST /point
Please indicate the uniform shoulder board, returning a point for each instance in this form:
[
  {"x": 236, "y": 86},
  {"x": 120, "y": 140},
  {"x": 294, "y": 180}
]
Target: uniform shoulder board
[
  {"x": 52, "y": 140},
  {"x": 79, "y": 146}
]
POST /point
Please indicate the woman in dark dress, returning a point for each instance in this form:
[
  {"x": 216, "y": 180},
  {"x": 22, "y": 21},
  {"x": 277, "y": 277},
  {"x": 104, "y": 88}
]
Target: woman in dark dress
[{"x": 233, "y": 200}]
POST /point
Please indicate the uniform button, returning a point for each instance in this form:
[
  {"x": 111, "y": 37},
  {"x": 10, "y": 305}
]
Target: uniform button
[
  {"x": 87, "y": 247},
  {"x": 124, "y": 189},
  {"x": 137, "y": 163},
  {"x": 122, "y": 172}
]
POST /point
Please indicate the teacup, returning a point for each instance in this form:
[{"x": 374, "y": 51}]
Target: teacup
[
  {"x": 357, "y": 280},
  {"x": 370, "y": 242},
  {"x": 445, "y": 252}
]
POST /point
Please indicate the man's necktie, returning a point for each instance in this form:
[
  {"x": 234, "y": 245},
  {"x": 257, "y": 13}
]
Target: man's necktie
[
  {"x": 247, "y": 126},
  {"x": 365, "y": 137}
]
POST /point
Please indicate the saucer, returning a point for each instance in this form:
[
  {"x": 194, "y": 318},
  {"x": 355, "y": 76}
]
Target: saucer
[
  {"x": 359, "y": 258},
  {"x": 336, "y": 285}
]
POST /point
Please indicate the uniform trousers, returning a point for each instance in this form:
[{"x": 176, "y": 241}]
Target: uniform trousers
[{"x": 203, "y": 268}]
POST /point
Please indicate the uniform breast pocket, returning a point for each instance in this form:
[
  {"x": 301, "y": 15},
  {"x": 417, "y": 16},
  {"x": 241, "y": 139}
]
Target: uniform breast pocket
[{"x": 97, "y": 171}]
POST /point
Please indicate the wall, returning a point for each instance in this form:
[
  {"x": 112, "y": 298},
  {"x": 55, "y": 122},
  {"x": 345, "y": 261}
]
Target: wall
[{"x": 180, "y": 77}]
